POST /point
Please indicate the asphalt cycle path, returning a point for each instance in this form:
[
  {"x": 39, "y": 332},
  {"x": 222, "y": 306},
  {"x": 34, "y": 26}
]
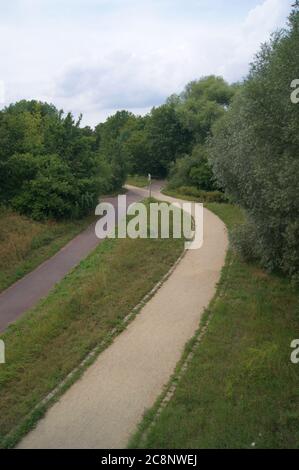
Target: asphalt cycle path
[{"x": 28, "y": 291}]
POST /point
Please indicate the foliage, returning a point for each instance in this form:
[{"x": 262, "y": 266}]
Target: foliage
[
  {"x": 192, "y": 170},
  {"x": 146, "y": 144},
  {"x": 111, "y": 139},
  {"x": 194, "y": 194},
  {"x": 167, "y": 139},
  {"x": 254, "y": 152},
  {"x": 201, "y": 104},
  {"x": 136, "y": 145},
  {"x": 49, "y": 166},
  {"x": 153, "y": 143}
]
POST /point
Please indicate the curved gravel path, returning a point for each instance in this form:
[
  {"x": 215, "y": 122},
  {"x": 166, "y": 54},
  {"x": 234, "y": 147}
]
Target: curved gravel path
[{"x": 104, "y": 407}]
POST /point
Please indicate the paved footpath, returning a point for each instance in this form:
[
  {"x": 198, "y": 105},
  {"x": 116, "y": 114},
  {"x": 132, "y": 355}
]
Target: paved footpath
[
  {"x": 29, "y": 290},
  {"x": 104, "y": 407}
]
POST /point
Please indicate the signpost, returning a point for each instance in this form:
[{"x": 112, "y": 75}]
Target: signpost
[
  {"x": 2, "y": 352},
  {"x": 150, "y": 184}
]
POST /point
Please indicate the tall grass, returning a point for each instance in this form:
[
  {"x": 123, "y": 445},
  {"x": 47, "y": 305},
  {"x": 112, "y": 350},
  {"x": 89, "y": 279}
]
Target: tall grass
[
  {"x": 50, "y": 340},
  {"x": 24, "y": 243},
  {"x": 240, "y": 389}
]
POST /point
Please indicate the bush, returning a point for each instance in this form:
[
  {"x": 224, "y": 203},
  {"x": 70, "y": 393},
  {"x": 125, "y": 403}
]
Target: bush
[
  {"x": 254, "y": 152},
  {"x": 197, "y": 194},
  {"x": 49, "y": 166},
  {"x": 55, "y": 193},
  {"x": 243, "y": 239},
  {"x": 193, "y": 170}
]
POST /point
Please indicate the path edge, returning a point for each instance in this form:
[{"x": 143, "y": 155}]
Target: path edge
[
  {"x": 150, "y": 417},
  {"x": 31, "y": 419}
]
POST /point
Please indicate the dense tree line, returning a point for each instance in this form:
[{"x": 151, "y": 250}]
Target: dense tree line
[
  {"x": 199, "y": 106},
  {"x": 149, "y": 144},
  {"x": 49, "y": 166},
  {"x": 172, "y": 139},
  {"x": 255, "y": 153}
]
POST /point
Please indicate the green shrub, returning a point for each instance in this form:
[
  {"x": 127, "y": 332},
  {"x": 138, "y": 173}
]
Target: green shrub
[
  {"x": 49, "y": 166},
  {"x": 193, "y": 170},
  {"x": 243, "y": 239},
  {"x": 254, "y": 152},
  {"x": 196, "y": 194}
]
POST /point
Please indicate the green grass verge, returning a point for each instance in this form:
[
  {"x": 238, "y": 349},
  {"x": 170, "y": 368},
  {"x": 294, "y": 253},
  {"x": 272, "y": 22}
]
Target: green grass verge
[
  {"x": 240, "y": 389},
  {"x": 137, "y": 180},
  {"x": 52, "y": 339},
  {"x": 190, "y": 193},
  {"x": 25, "y": 243}
]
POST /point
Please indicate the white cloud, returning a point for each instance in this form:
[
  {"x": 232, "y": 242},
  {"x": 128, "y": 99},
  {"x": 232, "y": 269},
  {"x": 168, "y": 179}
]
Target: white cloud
[
  {"x": 260, "y": 22},
  {"x": 124, "y": 53}
]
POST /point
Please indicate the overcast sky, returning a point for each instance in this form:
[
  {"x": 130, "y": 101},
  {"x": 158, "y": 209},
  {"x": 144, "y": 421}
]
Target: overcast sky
[{"x": 98, "y": 56}]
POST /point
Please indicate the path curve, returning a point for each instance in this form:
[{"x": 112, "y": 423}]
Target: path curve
[
  {"x": 103, "y": 408},
  {"x": 28, "y": 291}
]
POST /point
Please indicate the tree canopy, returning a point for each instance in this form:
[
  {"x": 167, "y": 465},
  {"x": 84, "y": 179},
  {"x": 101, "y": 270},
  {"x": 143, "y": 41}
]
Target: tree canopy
[
  {"x": 49, "y": 166},
  {"x": 254, "y": 152}
]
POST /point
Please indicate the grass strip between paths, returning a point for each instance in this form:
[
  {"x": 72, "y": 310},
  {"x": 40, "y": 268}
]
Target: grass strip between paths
[
  {"x": 25, "y": 243},
  {"x": 48, "y": 342},
  {"x": 137, "y": 180}
]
